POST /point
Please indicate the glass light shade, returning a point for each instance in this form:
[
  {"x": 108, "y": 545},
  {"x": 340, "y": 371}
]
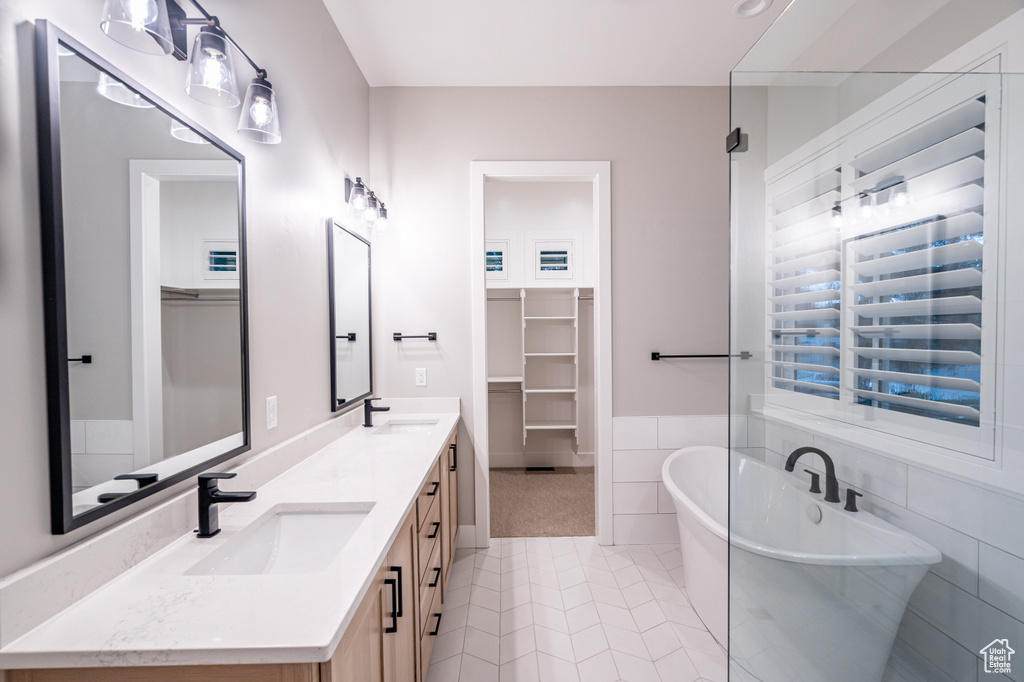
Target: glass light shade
[
  {"x": 358, "y": 199},
  {"x": 866, "y": 209},
  {"x": 259, "y": 120},
  {"x": 142, "y": 25},
  {"x": 900, "y": 197},
  {"x": 371, "y": 213},
  {"x": 116, "y": 91},
  {"x": 211, "y": 71},
  {"x": 382, "y": 218},
  {"x": 837, "y": 216},
  {"x": 182, "y": 132}
]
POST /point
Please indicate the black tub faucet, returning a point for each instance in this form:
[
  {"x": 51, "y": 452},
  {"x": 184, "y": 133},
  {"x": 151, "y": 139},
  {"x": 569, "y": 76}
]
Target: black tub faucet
[
  {"x": 209, "y": 496},
  {"x": 369, "y": 409},
  {"x": 831, "y": 482}
]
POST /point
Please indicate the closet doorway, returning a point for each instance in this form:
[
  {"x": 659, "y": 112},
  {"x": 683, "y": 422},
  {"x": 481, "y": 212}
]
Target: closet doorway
[{"x": 541, "y": 421}]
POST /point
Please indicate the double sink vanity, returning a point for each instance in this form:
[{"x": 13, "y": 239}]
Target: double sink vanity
[{"x": 337, "y": 570}]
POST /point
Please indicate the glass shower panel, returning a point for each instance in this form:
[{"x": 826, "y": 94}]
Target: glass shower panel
[{"x": 877, "y": 429}]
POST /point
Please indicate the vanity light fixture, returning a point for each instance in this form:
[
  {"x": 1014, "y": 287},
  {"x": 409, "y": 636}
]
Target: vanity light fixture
[
  {"x": 837, "y": 215},
  {"x": 182, "y": 132},
  {"x": 382, "y": 219},
  {"x": 259, "y": 119},
  {"x": 371, "y": 213},
  {"x": 355, "y": 194},
  {"x": 900, "y": 196},
  {"x": 211, "y": 71},
  {"x": 116, "y": 91},
  {"x": 142, "y": 25}
]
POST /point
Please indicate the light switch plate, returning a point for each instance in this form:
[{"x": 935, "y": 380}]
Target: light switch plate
[
  {"x": 421, "y": 376},
  {"x": 271, "y": 412}
]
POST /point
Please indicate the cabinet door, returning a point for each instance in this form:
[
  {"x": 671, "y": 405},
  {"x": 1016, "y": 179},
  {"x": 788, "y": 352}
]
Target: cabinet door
[
  {"x": 453, "y": 497},
  {"x": 446, "y": 520},
  {"x": 360, "y": 654},
  {"x": 400, "y": 647}
]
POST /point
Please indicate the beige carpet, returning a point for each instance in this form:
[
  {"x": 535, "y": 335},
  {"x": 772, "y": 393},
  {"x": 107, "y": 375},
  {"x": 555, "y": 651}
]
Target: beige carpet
[{"x": 557, "y": 503}]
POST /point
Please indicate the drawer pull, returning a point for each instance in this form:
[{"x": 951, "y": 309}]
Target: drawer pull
[
  {"x": 398, "y": 570},
  {"x": 394, "y": 612},
  {"x": 437, "y": 628},
  {"x": 437, "y": 529},
  {"x": 437, "y": 484},
  {"x": 455, "y": 457},
  {"x": 437, "y": 577}
]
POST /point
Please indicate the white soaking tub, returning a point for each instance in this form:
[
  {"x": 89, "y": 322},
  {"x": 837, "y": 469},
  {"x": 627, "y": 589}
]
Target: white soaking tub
[{"x": 817, "y": 593}]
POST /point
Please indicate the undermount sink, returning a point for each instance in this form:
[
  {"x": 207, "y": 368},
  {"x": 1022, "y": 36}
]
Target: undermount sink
[
  {"x": 290, "y": 539},
  {"x": 406, "y": 427}
]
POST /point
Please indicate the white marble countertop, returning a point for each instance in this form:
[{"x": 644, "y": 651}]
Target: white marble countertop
[{"x": 154, "y": 614}]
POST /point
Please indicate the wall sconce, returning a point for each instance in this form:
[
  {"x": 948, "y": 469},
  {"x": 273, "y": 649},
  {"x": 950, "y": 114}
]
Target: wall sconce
[
  {"x": 160, "y": 27},
  {"x": 365, "y": 203}
]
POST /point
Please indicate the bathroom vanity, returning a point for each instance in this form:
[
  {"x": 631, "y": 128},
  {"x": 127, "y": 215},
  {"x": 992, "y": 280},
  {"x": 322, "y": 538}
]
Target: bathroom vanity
[{"x": 337, "y": 571}]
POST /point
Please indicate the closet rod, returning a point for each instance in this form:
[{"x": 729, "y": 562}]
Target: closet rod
[
  {"x": 586, "y": 298},
  {"x": 504, "y": 390},
  {"x": 506, "y": 298}
]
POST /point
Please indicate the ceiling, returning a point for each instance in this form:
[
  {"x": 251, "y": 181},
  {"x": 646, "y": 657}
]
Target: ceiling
[{"x": 547, "y": 42}]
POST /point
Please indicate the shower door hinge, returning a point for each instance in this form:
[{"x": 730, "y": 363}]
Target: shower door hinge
[{"x": 735, "y": 142}]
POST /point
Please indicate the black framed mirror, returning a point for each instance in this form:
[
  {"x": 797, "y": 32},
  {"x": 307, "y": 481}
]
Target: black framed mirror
[
  {"x": 348, "y": 290},
  {"x": 144, "y": 282}
]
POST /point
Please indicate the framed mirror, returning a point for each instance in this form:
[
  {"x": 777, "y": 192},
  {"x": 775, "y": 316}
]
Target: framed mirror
[
  {"x": 144, "y": 281},
  {"x": 348, "y": 288}
]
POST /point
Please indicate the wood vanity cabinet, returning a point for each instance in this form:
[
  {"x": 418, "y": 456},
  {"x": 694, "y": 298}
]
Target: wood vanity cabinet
[{"x": 392, "y": 633}]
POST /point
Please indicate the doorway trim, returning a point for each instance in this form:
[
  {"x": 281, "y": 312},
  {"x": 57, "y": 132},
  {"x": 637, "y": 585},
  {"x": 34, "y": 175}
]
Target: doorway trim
[{"x": 598, "y": 173}]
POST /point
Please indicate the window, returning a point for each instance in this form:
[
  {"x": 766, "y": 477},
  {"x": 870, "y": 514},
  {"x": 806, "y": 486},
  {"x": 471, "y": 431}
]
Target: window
[{"x": 878, "y": 276}]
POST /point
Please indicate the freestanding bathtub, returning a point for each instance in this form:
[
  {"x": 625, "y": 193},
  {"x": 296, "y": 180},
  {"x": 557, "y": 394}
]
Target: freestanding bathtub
[{"x": 816, "y": 593}]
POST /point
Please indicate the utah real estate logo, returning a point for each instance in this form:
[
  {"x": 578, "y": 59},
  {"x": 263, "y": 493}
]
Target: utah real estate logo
[{"x": 997, "y": 656}]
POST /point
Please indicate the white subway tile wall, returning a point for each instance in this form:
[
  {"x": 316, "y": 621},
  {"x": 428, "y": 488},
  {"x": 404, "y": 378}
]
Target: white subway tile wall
[
  {"x": 974, "y": 595},
  {"x": 642, "y": 509},
  {"x": 100, "y": 450}
]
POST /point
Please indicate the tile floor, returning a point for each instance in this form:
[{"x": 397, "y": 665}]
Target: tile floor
[{"x": 569, "y": 610}]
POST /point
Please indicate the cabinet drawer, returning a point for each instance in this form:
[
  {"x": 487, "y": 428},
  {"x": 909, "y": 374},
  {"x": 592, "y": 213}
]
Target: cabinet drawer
[
  {"x": 429, "y": 535},
  {"x": 430, "y": 584},
  {"x": 430, "y": 493},
  {"x": 430, "y": 632}
]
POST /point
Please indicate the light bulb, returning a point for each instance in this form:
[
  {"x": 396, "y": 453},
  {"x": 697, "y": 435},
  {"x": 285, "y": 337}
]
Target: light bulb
[
  {"x": 382, "y": 218},
  {"x": 866, "y": 210},
  {"x": 900, "y": 196},
  {"x": 214, "y": 73},
  {"x": 371, "y": 213},
  {"x": 837, "y": 216},
  {"x": 358, "y": 199},
  {"x": 140, "y": 13},
  {"x": 260, "y": 111}
]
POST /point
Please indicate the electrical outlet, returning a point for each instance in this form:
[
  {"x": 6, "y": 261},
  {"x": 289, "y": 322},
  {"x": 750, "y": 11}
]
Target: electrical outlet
[
  {"x": 271, "y": 412},
  {"x": 421, "y": 376}
]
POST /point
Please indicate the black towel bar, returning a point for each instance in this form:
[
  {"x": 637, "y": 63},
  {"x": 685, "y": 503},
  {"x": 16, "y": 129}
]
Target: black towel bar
[{"x": 743, "y": 355}]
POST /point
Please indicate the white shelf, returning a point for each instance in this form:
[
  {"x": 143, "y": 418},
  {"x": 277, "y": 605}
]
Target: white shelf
[
  {"x": 551, "y": 317},
  {"x": 549, "y": 355},
  {"x": 549, "y": 425},
  {"x": 504, "y": 380},
  {"x": 549, "y": 390}
]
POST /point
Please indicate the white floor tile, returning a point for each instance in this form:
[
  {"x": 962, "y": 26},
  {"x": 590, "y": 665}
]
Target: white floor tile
[
  {"x": 554, "y": 669},
  {"x": 515, "y": 596},
  {"x": 488, "y": 563},
  {"x": 485, "y": 597},
  {"x": 515, "y": 577},
  {"x": 484, "y": 619},
  {"x": 511, "y": 563},
  {"x": 633, "y": 669},
  {"x": 577, "y": 595},
  {"x": 552, "y": 618},
  {"x": 459, "y": 597},
  {"x": 597, "y": 576},
  {"x": 517, "y": 643},
  {"x": 711, "y": 668},
  {"x": 554, "y": 643},
  {"x": 516, "y": 618},
  {"x": 697, "y": 639},
  {"x": 522, "y": 669},
  {"x": 617, "y": 616},
  {"x": 600, "y": 668},
  {"x": 637, "y": 594},
  {"x": 482, "y": 645},
  {"x": 567, "y": 560},
  {"x": 626, "y": 641},
  {"x": 582, "y": 617},
  {"x": 482, "y": 578},
  {"x": 476, "y": 670},
  {"x": 542, "y": 561},
  {"x": 677, "y": 667},
  {"x": 544, "y": 577},
  {"x": 454, "y": 618},
  {"x": 589, "y": 642},
  {"x": 629, "y": 575},
  {"x": 448, "y": 645},
  {"x": 547, "y": 596},
  {"x": 607, "y": 595},
  {"x": 661, "y": 640},
  {"x": 571, "y": 577},
  {"x": 648, "y": 615},
  {"x": 444, "y": 671}
]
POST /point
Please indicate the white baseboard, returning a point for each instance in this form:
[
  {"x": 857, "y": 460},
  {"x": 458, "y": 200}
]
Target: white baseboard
[
  {"x": 516, "y": 460},
  {"x": 467, "y": 537}
]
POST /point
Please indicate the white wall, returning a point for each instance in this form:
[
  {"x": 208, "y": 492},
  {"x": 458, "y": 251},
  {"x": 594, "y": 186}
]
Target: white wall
[
  {"x": 669, "y": 229},
  {"x": 291, "y": 188}
]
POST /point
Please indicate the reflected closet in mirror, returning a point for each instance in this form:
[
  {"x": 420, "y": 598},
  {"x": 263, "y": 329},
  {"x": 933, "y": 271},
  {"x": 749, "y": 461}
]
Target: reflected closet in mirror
[
  {"x": 348, "y": 287},
  {"x": 143, "y": 234}
]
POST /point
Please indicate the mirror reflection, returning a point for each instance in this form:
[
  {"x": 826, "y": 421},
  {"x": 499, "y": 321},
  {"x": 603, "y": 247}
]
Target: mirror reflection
[
  {"x": 152, "y": 267},
  {"x": 349, "y": 290}
]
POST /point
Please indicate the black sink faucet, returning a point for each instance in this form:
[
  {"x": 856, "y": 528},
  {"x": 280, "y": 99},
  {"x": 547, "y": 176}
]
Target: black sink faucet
[
  {"x": 831, "y": 482},
  {"x": 369, "y": 409},
  {"x": 210, "y": 496}
]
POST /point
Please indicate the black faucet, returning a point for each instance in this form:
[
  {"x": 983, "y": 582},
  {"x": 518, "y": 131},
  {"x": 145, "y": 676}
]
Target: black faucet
[
  {"x": 369, "y": 409},
  {"x": 210, "y": 496},
  {"x": 831, "y": 482}
]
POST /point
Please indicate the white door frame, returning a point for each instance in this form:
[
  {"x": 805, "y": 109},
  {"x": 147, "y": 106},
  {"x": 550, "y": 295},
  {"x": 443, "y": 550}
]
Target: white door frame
[
  {"x": 147, "y": 343},
  {"x": 599, "y": 174}
]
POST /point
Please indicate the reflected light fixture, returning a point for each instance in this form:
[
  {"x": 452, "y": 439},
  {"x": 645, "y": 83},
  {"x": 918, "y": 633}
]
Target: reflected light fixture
[
  {"x": 142, "y": 25},
  {"x": 837, "y": 215},
  {"x": 182, "y": 132},
  {"x": 259, "y": 119},
  {"x": 900, "y": 197},
  {"x": 116, "y": 91},
  {"x": 866, "y": 208},
  {"x": 382, "y": 218},
  {"x": 355, "y": 194},
  {"x": 372, "y": 212},
  {"x": 211, "y": 71}
]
